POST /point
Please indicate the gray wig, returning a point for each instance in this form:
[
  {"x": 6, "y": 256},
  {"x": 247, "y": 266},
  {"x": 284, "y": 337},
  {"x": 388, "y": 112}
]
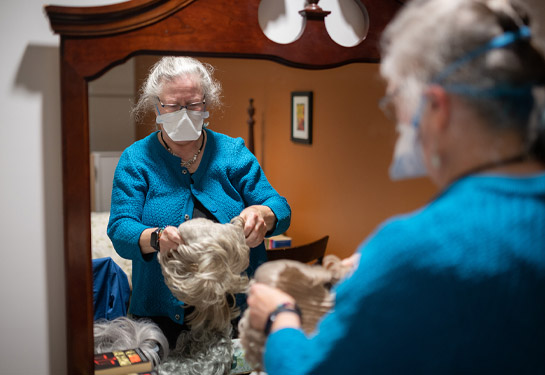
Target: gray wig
[
  {"x": 206, "y": 268},
  {"x": 202, "y": 273},
  {"x": 170, "y": 68},
  {"x": 123, "y": 333},
  {"x": 310, "y": 285},
  {"x": 426, "y": 36}
]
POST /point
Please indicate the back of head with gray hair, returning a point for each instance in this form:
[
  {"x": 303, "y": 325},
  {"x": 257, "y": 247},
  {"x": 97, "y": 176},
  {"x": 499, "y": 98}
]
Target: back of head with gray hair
[
  {"x": 170, "y": 68},
  {"x": 429, "y": 35}
]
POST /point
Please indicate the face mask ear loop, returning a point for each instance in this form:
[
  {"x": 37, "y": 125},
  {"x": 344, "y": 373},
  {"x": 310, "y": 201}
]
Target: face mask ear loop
[
  {"x": 415, "y": 122},
  {"x": 500, "y": 41}
]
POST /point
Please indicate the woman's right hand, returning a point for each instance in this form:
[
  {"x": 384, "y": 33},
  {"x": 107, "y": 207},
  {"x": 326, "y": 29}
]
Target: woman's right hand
[
  {"x": 351, "y": 262},
  {"x": 170, "y": 239}
]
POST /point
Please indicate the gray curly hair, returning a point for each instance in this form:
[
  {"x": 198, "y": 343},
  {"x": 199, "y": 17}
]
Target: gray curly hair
[
  {"x": 205, "y": 272},
  {"x": 123, "y": 334},
  {"x": 170, "y": 68},
  {"x": 309, "y": 285},
  {"x": 206, "y": 268}
]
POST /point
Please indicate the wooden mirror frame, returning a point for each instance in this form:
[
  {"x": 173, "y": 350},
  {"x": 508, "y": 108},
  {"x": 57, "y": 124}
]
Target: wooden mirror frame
[{"x": 95, "y": 39}]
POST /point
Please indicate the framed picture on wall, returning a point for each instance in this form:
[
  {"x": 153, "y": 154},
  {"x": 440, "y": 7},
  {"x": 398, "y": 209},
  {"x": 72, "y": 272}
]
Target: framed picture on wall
[{"x": 301, "y": 116}]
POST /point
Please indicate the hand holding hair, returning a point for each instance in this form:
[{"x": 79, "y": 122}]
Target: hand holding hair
[
  {"x": 287, "y": 294},
  {"x": 263, "y": 300},
  {"x": 170, "y": 239},
  {"x": 258, "y": 221}
]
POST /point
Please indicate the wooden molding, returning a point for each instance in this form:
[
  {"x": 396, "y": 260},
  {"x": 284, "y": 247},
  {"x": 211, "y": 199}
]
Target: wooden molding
[{"x": 110, "y": 19}]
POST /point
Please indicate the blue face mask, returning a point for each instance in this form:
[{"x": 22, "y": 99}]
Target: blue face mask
[{"x": 408, "y": 161}]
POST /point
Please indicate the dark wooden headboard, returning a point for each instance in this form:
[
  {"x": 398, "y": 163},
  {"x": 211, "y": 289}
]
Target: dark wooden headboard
[{"x": 95, "y": 39}]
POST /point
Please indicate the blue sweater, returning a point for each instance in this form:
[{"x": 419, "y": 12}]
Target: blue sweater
[
  {"x": 456, "y": 287},
  {"x": 150, "y": 189}
]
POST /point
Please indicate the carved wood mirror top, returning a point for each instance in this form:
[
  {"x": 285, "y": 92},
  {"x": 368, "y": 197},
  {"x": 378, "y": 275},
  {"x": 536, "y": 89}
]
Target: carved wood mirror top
[{"x": 95, "y": 39}]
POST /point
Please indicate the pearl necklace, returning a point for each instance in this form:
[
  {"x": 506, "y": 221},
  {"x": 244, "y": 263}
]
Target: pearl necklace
[{"x": 187, "y": 163}]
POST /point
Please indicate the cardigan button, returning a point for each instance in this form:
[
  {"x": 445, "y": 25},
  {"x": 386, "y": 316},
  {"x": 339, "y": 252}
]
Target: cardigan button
[
  {"x": 184, "y": 171},
  {"x": 186, "y": 217},
  {"x": 177, "y": 317}
]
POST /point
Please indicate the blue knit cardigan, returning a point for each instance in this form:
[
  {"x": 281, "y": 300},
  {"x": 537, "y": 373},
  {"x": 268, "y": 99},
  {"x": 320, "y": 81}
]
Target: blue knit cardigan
[
  {"x": 151, "y": 189},
  {"x": 457, "y": 287}
]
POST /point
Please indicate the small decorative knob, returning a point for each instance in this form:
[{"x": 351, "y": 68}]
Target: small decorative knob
[
  {"x": 313, "y": 5},
  {"x": 313, "y": 11}
]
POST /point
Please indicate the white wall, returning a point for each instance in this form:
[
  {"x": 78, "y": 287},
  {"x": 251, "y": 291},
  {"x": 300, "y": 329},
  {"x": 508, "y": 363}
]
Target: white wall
[{"x": 32, "y": 316}]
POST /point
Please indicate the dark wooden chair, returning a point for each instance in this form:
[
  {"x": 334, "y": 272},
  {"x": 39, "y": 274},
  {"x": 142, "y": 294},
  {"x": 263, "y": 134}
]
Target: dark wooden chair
[{"x": 311, "y": 252}]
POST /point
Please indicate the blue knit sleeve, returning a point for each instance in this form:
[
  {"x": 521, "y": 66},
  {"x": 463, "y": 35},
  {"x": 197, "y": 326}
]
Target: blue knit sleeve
[
  {"x": 250, "y": 180},
  {"x": 437, "y": 291},
  {"x": 360, "y": 327},
  {"x": 128, "y": 197}
]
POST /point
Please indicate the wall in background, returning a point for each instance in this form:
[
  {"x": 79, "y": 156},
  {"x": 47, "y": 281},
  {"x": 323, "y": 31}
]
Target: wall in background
[{"x": 111, "y": 98}]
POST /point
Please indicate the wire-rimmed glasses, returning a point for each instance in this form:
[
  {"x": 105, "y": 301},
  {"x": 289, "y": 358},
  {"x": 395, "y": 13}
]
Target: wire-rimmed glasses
[{"x": 197, "y": 106}]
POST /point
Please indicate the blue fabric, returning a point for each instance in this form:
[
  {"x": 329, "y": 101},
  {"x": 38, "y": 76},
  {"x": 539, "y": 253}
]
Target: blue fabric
[
  {"x": 150, "y": 189},
  {"x": 111, "y": 291},
  {"x": 456, "y": 287}
]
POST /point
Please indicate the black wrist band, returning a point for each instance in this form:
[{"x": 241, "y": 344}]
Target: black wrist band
[
  {"x": 155, "y": 237},
  {"x": 285, "y": 307}
]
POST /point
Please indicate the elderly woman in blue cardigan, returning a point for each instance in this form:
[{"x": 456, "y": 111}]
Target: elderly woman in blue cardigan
[
  {"x": 458, "y": 286},
  {"x": 180, "y": 172}
]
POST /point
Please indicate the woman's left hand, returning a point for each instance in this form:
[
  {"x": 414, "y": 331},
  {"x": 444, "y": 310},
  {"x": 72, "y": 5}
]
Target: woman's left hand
[{"x": 258, "y": 220}]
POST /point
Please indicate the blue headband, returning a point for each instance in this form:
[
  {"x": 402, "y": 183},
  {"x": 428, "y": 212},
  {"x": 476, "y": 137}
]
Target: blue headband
[{"x": 500, "y": 41}]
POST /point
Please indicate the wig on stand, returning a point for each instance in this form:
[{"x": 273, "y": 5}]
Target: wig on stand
[{"x": 310, "y": 285}]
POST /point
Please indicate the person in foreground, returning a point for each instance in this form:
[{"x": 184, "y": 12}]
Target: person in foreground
[
  {"x": 456, "y": 286},
  {"x": 180, "y": 172}
]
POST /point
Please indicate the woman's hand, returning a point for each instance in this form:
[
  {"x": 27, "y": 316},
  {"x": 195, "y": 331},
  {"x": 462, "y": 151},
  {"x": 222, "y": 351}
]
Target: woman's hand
[
  {"x": 262, "y": 300},
  {"x": 258, "y": 221},
  {"x": 170, "y": 239},
  {"x": 352, "y": 261}
]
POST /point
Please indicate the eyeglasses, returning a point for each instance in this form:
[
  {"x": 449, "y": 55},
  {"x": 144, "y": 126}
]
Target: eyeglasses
[{"x": 197, "y": 106}]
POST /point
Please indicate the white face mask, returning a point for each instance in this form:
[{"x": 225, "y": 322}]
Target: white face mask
[
  {"x": 183, "y": 125},
  {"x": 408, "y": 159}
]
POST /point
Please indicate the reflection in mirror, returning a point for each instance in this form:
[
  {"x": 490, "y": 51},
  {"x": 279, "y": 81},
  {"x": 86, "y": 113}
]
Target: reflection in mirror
[{"x": 346, "y": 166}]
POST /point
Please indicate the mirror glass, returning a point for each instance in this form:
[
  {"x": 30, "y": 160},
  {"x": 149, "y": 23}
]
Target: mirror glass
[
  {"x": 111, "y": 130},
  {"x": 338, "y": 185}
]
